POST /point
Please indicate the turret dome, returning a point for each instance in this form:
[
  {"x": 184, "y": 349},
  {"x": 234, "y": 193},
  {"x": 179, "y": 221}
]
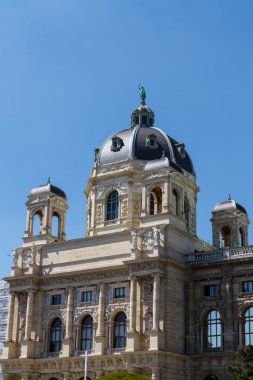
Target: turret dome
[
  {"x": 48, "y": 188},
  {"x": 228, "y": 205}
]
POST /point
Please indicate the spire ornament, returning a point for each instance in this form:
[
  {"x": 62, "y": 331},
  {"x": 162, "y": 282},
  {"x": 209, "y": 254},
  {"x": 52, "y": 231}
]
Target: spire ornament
[{"x": 142, "y": 95}]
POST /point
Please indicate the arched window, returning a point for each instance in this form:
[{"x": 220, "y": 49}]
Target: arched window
[
  {"x": 214, "y": 333},
  {"x": 175, "y": 202},
  {"x": 187, "y": 211},
  {"x": 55, "y": 223},
  {"x": 112, "y": 206},
  {"x": 36, "y": 223},
  {"x": 225, "y": 237},
  {"x": 56, "y": 336},
  {"x": 248, "y": 326},
  {"x": 86, "y": 342},
  {"x": 155, "y": 201},
  {"x": 120, "y": 330},
  {"x": 241, "y": 237}
]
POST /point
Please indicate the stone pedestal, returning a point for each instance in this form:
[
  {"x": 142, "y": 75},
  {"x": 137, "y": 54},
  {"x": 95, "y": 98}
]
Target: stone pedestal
[
  {"x": 190, "y": 344},
  {"x": 27, "y": 349},
  {"x": 67, "y": 347},
  {"x": 99, "y": 345},
  {"x": 10, "y": 350},
  {"x": 133, "y": 341},
  {"x": 156, "y": 340}
]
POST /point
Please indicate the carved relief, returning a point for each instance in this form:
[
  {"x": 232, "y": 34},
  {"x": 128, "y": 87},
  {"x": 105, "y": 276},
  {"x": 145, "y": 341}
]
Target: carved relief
[
  {"x": 147, "y": 288},
  {"x": 148, "y": 240},
  {"x": 136, "y": 208},
  {"x": 111, "y": 309},
  {"x": 99, "y": 213},
  {"x": 124, "y": 209},
  {"x": 29, "y": 257}
]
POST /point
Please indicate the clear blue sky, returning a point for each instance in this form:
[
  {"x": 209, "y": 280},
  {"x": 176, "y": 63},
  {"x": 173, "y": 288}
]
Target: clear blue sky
[{"x": 69, "y": 75}]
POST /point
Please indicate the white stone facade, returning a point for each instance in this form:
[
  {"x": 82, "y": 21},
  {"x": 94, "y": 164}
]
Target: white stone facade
[{"x": 140, "y": 292}]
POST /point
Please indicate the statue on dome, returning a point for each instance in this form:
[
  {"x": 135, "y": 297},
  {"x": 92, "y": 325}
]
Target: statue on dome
[{"x": 142, "y": 95}]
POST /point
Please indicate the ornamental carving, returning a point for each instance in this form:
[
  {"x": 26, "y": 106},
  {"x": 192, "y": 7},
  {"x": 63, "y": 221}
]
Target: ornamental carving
[
  {"x": 148, "y": 241},
  {"x": 99, "y": 212},
  {"x": 147, "y": 288},
  {"x": 93, "y": 311},
  {"x": 136, "y": 208},
  {"x": 29, "y": 257},
  {"x": 81, "y": 277},
  {"x": 124, "y": 209},
  {"x": 100, "y": 191},
  {"x": 111, "y": 309}
]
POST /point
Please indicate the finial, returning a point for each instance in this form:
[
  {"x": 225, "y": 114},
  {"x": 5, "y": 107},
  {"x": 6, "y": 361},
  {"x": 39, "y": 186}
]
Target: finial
[
  {"x": 49, "y": 180},
  {"x": 142, "y": 95},
  {"x": 229, "y": 197}
]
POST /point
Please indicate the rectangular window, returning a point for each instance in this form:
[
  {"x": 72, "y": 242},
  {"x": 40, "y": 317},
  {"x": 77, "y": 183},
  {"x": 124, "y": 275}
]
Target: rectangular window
[
  {"x": 119, "y": 292},
  {"x": 87, "y": 296},
  {"x": 247, "y": 286},
  {"x": 211, "y": 290},
  {"x": 56, "y": 299}
]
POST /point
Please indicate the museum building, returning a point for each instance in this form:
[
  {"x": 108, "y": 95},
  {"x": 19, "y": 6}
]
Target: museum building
[{"x": 141, "y": 292}]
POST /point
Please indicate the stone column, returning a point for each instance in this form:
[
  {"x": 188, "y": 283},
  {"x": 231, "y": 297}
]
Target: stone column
[
  {"x": 130, "y": 202},
  {"x": 29, "y": 314},
  {"x": 165, "y": 197},
  {"x": 10, "y": 317},
  {"x": 143, "y": 204},
  {"x": 101, "y": 310},
  {"x": 68, "y": 341},
  {"x": 69, "y": 314},
  {"x": 229, "y": 333},
  {"x": 132, "y": 325},
  {"x": 156, "y": 300},
  {"x": 190, "y": 337},
  {"x": 100, "y": 336}
]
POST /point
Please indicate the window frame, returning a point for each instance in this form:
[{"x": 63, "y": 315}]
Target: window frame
[
  {"x": 86, "y": 333},
  {"x": 214, "y": 331},
  {"x": 210, "y": 287},
  {"x": 120, "y": 331},
  {"x": 251, "y": 286},
  {"x": 112, "y": 206},
  {"x": 55, "y": 341},
  {"x": 87, "y": 296},
  {"x": 56, "y": 299},
  {"x": 121, "y": 290}
]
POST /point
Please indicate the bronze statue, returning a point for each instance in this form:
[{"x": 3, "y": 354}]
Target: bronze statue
[{"x": 142, "y": 95}]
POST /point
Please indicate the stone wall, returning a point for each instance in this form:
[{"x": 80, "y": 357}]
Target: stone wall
[{"x": 4, "y": 303}]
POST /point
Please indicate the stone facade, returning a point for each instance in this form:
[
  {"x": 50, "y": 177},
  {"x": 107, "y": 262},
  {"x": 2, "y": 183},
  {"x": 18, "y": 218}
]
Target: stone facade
[
  {"x": 141, "y": 292},
  {"x": 4, "y": 304}
]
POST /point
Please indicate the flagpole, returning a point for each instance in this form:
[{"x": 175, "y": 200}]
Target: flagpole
[{"x": 85, "y": 364}]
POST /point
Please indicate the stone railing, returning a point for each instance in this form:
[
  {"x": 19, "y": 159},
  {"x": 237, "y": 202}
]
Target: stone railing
[{"x": 224, "y": 254}]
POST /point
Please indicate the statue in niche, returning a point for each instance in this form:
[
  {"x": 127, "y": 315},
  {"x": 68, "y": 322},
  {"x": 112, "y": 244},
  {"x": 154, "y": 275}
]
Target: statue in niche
[
  {"x": 148, "y": 241},
  {"x": 14, "y": 255},
  {"x": 156, "y": 235},
  {"x": 134, "y": 239}
]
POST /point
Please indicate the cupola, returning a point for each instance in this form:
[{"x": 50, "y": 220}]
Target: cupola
[
  {"x": 46, "y": 214},
  {"x": 230, "y": 224}
]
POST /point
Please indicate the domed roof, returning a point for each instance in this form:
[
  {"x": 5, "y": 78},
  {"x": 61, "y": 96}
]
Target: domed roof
[
  {"x": 227, "y": 205},
  {"x": 144, "y": 143},
  {"x": 48, "y": 188}
]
